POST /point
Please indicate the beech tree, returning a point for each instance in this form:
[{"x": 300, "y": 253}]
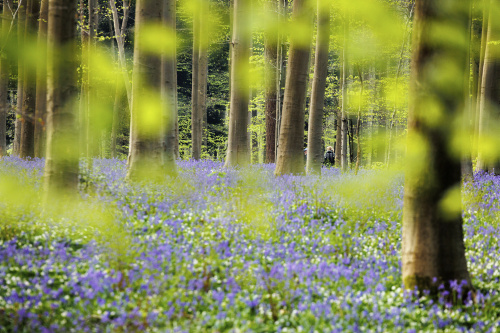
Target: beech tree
[
  {"x": 147, "y": 131},
  {"x": 61, "y": 163},
  {"x": 4, "y": 77},
  {"x": 238, "y": 139},
  {"x": 27, "y": 145},
  {"x": 433, "y": 248},
  {"x": 41, "y": 83},
  {"x": 291, "y": 137},
  {"x": 271, "y": 58},
  {"x": 315, "y": 131},
  {"x": 489, "y": 100}
]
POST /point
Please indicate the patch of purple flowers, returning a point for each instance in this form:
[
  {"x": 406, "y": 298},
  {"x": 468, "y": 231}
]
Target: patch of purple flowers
[{"x": 216, "y": 249}]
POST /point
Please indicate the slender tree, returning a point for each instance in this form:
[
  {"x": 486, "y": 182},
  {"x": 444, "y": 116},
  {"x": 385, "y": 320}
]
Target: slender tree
[
  {"x": 20, "y": 77},
  {"x": 291, "y": 137},
  {"x": 344, "y": 123},
  {"x": 147, "y": 145},
  {"x": 433, "y": 249},
  {"x": 196, "y": 112},
  {"x": 169, "y": 86},
  {"x": 271, "y": 58},
  {"x": 27, "y": 147},
  {"x": 41, "y": 82},
  {"x": 7, "y": 17},
  {"x": 315, "y": 131},
  {"x": 119, "y": 30},
  {"x": 237, "y": 148},
  {"x": 61, "y": 164},
  {"x": 489, "y": 107}
]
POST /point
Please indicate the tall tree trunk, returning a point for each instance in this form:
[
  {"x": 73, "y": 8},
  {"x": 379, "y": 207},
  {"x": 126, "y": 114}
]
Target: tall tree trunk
[
  {"x": 358, "y": 122},
  {"x": 433, "y": 249},
  {"x": 169, "y": 87},
  {"x": 203, "y": 71},
  {"x": 7, "y": 17},
  {"x": 482, "y": 51},
  {"x": 338, "y": 137},
  {"x": 237, "y": 147},
  {"x": 466, "y": 162},
  {"x": 41, "y": 83},
  {"x": 119, "y": 30},
  {"x": 271, "y": 58},
  {"x": 27, "y": 147},
  {"x": 344, "y": 122},
  {"x": 315, "y": 132},
  {"x": 291, "y": 137},
  {"x": 196, "y": 115},
  {"x": 91, "y": 134},
  {"x": 21, "y": 20},
  {"x": 147, "y": 156},
  {"x": 61, "y": 164},
  {"x": 489, "y": 97}
]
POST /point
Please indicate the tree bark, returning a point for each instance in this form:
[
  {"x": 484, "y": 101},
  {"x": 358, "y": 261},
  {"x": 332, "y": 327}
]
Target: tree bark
[
  {"x": 196, "y": 115},
  {"x": 147, "y": 158},
  {"x": 315, "y": 149},
  {"x": 489, "y": 114},
  {"x": 7, "y": 17},
  {"x": 21, "y": 20},
  {"x": 27, "y": 147},
  {"x": 61, "y": 164},
  {"x": 169, "y": 87},
  {"x": 344, "y": 121},
  {"x": 433, "y": 249},
  {"x": 238, "y": 153},
  {"x": 41, "y": 83},
  {"x": 291, "y": 137},
  {"x": 203, "y": 72},
  {"x": 119, "y": 30},
  {"x": 271, "y": 58}
]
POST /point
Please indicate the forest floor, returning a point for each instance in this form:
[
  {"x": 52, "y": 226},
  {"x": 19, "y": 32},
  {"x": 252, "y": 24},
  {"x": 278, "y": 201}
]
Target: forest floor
[{"x": 216, "y": 250}]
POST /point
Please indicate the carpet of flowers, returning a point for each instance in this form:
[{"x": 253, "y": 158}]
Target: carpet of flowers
[{"x": 224, "y": 250}]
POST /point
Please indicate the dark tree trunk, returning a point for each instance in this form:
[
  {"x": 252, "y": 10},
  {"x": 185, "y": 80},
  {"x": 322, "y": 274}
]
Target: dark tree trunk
[
  {"x": 41, "y": 84},
  {"x": 433, "y": 246},
  {"x": 27, "y": 148},
  {"x": 4, "y": 79},
  {"x": 271, "y": 58},
  {"x": 315, "y": 131}
]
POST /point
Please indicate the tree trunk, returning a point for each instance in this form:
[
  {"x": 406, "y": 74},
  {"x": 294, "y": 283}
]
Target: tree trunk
[
  {"x": 344, "y": 123},
  {"x": 338, "y": 137},
  {"x": 21, "y": 19},
  {"x": 203, "y": 72},
  {"x": 196, "y": 115},
  {"x": 120, "y": 41},
  {"x": 315, "y": 149},
  {"x": 4, "y": 79},
  {"x": 466, "y": 162},
  {"x": 490, "y": 96},
  {"x": 237, "y": 147},
  {"x": 27, "y": 147},
  {"x": 482, "y": 51},
  {"x": 147, "y": 158},
  {"x": 271, "y": 58},
  {"x": 61, "y": 164},
  {"x": 169, "y": 87},
  {"x": 41, "y": 83},
  {"x": 358, "y": 122},
  {"x": 433, "y": 249},
  {"x": 291, "y": 138}
]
